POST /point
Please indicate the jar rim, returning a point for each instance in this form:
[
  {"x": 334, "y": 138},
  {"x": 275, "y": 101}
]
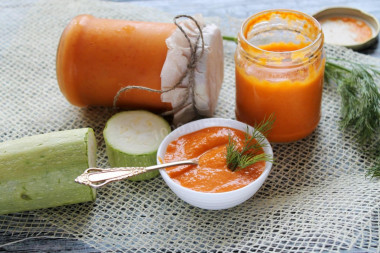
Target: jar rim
[{"x": 306, "y": 48}]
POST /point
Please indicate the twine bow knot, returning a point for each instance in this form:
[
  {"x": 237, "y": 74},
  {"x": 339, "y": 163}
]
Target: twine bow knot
[{"x": 189, "y": 71}]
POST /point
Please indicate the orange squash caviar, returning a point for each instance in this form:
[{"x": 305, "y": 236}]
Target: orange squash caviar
[
  {"x": 97, "y": 57},
  {"x": 281, "y": 73},
  {"x": 212, "y": 173}
]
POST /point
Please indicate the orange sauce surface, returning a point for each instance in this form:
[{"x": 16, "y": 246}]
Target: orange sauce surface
[
  {"x": 211, "y": 174},
  {"x": 295, "y": 103}
]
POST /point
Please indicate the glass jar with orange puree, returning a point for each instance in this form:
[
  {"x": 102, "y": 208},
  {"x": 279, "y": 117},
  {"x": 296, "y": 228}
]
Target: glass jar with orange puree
[{"x": 279, "y": 70}]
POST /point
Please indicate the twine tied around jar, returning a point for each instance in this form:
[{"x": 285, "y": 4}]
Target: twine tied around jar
[{"x": 189, "y": 71}]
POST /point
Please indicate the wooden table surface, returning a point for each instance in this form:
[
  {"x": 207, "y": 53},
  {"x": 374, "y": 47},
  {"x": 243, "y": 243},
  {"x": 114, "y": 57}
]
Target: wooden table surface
[{"x": 217, "y": 8}]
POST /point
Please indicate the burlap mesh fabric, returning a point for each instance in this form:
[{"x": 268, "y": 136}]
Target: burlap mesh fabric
[{"x": 316, "y": 197}]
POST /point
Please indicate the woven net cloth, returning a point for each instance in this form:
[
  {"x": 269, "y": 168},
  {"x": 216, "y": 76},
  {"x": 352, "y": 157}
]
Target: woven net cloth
[{"x": 316, "y": 197}]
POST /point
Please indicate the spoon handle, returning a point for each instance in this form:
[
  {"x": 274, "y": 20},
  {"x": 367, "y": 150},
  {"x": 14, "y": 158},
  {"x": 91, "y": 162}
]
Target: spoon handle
[{"x": 97, "y": 177}]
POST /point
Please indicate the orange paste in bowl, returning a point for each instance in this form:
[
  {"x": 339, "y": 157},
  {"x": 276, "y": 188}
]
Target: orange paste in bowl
[{"x": 212, "y": 173}]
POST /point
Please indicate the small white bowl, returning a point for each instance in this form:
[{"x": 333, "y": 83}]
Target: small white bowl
[{"x": 212, "y": 201}]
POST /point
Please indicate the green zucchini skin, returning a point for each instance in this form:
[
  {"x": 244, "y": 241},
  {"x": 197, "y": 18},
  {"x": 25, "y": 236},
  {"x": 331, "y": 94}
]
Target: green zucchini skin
[
  {"x": 39, "y": 171},
  {"x": 119, "y": 156}
]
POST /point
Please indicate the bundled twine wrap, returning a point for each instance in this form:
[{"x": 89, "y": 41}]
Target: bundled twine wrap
[{"x": 189, "y": 71}]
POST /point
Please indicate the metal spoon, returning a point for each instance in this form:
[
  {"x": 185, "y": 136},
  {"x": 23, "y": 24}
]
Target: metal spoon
[{"x": 97, "y": 177}]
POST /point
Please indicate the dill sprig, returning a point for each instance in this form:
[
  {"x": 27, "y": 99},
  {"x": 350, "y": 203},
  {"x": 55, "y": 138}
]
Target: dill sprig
[
  {"x": 251, "y": 152},
  {"x": 229, "y": 38},
  {"x": 360, "y": 105},
  {"x": 375, "y": 170}
]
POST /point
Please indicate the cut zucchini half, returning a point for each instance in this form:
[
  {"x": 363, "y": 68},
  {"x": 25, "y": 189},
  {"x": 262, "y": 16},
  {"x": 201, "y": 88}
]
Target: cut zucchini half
[
  {"x": 39, "y": 171},
  {"x": 132, "y": 139}
]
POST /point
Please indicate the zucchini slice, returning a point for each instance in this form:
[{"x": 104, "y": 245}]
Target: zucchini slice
[{"x": 132, "y": 139}]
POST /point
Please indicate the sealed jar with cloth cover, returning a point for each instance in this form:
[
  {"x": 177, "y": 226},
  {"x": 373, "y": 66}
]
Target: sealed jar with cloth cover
[
  {"x": 279, "y": 70},
  {"x": 173, "y": 68}
]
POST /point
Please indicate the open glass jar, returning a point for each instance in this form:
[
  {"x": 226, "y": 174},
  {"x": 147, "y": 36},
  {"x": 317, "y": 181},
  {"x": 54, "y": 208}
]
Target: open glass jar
[{"x": 279, "y": 70}]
